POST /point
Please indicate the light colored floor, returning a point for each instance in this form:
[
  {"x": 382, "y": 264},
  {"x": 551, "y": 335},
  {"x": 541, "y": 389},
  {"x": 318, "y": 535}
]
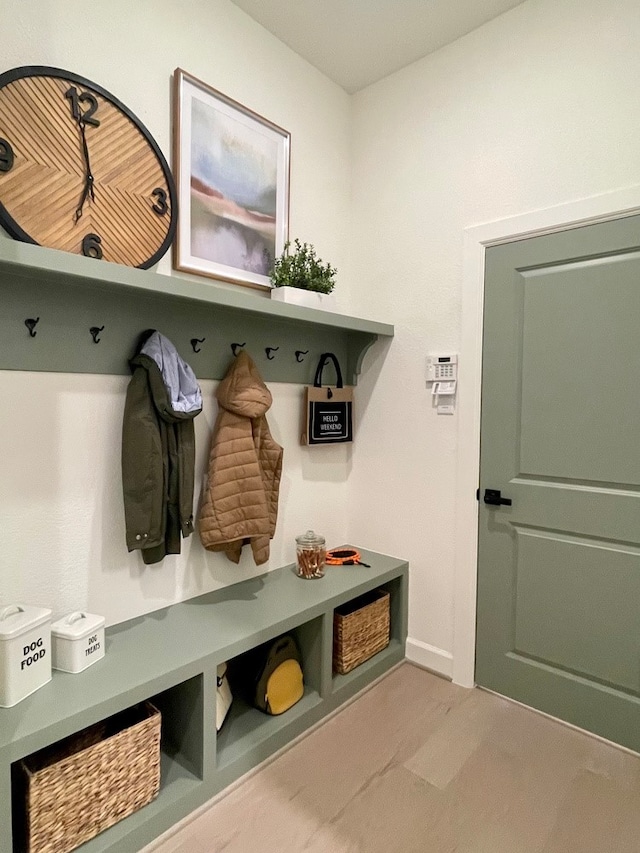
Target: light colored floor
[{"x": 418, "y": 765}]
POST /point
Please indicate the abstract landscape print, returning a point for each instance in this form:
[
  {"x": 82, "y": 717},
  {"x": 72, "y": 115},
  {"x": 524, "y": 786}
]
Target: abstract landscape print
[{"x": 232, "y": 173}]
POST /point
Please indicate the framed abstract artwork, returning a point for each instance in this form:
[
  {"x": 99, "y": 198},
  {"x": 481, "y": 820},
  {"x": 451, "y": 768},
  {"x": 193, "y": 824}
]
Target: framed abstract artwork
[{"x": 232, "y": 174}]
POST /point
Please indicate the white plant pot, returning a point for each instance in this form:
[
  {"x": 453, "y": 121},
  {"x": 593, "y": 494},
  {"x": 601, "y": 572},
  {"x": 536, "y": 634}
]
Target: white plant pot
[{"x": 308, "y": 298}]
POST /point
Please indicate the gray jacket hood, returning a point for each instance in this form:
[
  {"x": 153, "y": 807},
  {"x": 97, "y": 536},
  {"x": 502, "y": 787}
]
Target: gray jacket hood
[{"x": 178, "y": 377}]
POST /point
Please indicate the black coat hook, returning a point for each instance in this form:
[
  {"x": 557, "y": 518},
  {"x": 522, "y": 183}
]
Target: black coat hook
[
  {"x": 95, "y": 331},
  {"x": 269, "y": 350},
  {"x": 236, "y": 347},
  {"x": 300, "y": 353},
  {"x": 195, "y": 342},
  {"x": 31, "y": 325}
]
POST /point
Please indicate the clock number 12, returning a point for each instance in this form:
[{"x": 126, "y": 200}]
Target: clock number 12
[
  {"x": 6, "y": 156},
  {"x": 76, "y": 112}
]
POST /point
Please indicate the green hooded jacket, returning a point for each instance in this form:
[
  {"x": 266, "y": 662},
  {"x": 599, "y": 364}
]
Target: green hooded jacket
[{"x": 158, "y": 449}]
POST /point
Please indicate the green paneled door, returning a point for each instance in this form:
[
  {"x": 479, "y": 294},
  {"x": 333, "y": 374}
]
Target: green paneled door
[{"x": 559, "y": 569}]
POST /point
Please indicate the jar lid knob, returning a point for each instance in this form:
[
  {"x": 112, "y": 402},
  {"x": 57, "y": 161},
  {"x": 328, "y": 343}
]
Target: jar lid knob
[{"x": 309, "y": 537}]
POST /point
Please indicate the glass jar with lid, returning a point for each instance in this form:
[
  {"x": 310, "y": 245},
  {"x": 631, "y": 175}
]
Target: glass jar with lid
[{"x": 311, "y": 555}]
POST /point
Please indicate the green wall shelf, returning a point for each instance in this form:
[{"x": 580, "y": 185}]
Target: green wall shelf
[
  {"x": 170, "y": 657},
  {"x": 70, "y": 294}
]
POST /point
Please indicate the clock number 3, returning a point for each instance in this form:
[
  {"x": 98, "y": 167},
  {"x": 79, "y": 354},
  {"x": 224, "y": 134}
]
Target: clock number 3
[
  {"x": 6, "y": 156},
  {"x": 161, "y": 206},
  {"x": 91, "y": 246},
  {"x": 76, "y": 112}
]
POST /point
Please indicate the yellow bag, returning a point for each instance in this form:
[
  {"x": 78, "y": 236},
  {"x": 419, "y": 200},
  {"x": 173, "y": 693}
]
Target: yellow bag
[
  {"x": 284, "y": 687},
  {"x": 279, "y": 680}
]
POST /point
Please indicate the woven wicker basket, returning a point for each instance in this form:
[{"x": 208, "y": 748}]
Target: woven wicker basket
[
  {"x": 360, "y": 630},
  {"x": 79, "y": 787}
]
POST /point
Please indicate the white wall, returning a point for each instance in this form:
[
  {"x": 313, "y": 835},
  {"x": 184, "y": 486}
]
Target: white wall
[
  {"x": 60, "y": 500},
  {"x": 537, "y": 108}
]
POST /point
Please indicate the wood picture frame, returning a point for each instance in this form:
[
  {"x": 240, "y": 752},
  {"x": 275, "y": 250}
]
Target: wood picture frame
[{"x": 231, "y": 168}]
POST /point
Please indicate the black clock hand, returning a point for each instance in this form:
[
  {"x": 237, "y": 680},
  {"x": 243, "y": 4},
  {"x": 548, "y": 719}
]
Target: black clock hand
[
  {"x": 88, "y": 186},
  {"x": 85, "y": 148},
  {"x": 87, "y": 191}
]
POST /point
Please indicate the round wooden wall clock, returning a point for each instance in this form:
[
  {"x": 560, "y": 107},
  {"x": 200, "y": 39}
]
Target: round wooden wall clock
[{"x": 79, "y": 172}]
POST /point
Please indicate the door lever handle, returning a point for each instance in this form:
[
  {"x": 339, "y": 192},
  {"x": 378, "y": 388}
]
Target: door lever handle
[{"x": 493, "y": 497}]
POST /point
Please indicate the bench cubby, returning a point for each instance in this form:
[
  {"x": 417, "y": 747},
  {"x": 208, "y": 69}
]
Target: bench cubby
[
  {"x": 247, "y": 730},
  {"x": 170, "y": 657}
]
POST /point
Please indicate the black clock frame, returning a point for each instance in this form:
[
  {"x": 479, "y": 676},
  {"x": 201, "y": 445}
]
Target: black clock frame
[{"x": 9, "y": 223}]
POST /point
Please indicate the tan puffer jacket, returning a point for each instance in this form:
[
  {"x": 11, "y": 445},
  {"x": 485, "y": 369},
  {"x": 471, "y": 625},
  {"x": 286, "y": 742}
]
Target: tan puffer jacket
[{"x": 245, "y": 463}]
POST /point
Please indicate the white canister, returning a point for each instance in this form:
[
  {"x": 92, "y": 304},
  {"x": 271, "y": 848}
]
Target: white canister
[
  {"x": 78, "y": 641},
  {"x": 25, "y": 652}
]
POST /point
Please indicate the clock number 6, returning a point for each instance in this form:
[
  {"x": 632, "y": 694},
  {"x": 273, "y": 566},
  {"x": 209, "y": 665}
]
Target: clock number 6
[
  {"x": 91, "y": 246},
  {"x": 76, "y": 112},
  {"x": 6, "y": 156},
  {"x": 161, "y": 206}
]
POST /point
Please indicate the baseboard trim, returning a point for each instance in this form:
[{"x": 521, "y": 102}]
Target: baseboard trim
[{"x": 430, "y": 657}]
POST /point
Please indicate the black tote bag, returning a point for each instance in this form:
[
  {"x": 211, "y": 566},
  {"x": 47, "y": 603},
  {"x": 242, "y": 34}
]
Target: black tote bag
[{"x": 328, "y": 408}]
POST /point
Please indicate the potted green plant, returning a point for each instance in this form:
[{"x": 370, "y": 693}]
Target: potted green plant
[{"x": 299, "y": 276}]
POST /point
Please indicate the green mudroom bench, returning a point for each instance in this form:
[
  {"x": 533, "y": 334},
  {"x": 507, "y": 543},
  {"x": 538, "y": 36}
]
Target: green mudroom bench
[{"x": 170, "y": 658}]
